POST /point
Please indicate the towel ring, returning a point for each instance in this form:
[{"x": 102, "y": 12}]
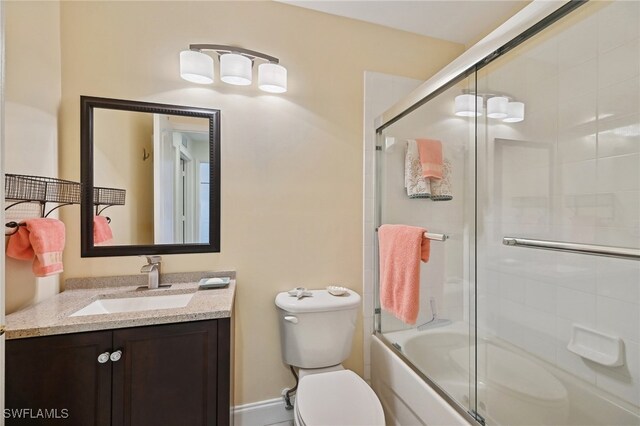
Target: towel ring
[{"x": 15, "y": 225}]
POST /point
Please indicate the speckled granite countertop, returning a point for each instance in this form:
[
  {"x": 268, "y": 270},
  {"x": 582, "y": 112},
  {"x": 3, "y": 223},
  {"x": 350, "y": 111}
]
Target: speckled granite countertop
[{"x": 51, "y": 316}]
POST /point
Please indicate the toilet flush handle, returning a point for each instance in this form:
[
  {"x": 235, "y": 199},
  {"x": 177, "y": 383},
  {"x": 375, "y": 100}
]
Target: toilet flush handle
[{"x": 291, "y": 318}]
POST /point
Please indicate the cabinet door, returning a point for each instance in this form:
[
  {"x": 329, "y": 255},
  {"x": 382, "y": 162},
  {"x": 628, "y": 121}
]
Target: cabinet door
[
  {"x": 167, "y": 375},
  {"x": 58, "y": 379}
]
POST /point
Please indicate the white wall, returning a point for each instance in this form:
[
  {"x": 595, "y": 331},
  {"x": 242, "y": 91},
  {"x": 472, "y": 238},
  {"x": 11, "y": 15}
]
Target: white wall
[
  {"x": 32, "y": 99},
  {"x": 381, "y": 91},
  {"x": 443, "y": 276}
]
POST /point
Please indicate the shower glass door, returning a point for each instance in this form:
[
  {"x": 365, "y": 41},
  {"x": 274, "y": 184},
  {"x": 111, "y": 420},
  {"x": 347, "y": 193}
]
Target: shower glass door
[
  {"x": 543, "y": 144},
  {"x": 440, "y": 343},
  {"x": 559, "y": 332}
]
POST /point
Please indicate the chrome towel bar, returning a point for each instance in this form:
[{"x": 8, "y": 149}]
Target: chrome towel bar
[
  {"x": 591, "y": 249},
  {"x": 436, "y": 237},
  {"x": 433, "y": 237}
]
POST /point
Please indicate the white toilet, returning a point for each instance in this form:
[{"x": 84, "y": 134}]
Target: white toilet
[{"x": 316, "y": 334}]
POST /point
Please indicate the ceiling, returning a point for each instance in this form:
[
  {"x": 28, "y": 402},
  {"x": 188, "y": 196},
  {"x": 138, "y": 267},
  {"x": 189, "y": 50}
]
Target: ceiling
[{"x": 464, "y": 21}]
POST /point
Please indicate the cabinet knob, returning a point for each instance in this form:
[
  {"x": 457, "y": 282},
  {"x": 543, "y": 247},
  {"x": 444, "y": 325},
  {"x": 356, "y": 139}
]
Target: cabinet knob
[
  {"x": 103, "y": 357},
  {"x": 115, "y": 357}
]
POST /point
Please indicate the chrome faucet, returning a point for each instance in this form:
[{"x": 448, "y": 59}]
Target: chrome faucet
[{"x": 152, "y": 268}]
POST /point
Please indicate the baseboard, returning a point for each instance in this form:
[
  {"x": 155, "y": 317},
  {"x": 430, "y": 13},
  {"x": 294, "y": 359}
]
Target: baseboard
[{"x": 261, "y": 413}]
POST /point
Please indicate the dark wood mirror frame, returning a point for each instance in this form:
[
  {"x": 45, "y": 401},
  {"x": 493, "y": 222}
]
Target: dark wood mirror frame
[{"x": 88, "y": 249}]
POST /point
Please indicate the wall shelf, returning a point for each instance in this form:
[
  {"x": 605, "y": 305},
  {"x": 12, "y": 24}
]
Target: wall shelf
[
  {"x": 20, "y": 189},
  {"x": 41, "y": 189},
  {"x": 107, "y": 197}
]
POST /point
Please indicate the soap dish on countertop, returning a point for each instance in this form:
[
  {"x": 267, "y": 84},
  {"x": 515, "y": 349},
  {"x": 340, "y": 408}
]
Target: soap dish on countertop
[
  {"x": 217, "y": 282},
  {"x": 337, "y": 291}
]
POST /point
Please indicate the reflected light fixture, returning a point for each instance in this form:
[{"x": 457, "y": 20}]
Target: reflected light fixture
[
  {"x": 499, "y": 106},
  {"x": 468, "y": 105},
  {"x": 515, "y": 112},
  {"x": 236, "y": 67}
]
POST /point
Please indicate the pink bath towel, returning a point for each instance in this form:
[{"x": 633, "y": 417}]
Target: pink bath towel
[
  {"x": 42, "y": 240},
  {"x": 430, "y": 152},
  {"x": 101, "y": 231},
  {"x": 402, "y": 248}
]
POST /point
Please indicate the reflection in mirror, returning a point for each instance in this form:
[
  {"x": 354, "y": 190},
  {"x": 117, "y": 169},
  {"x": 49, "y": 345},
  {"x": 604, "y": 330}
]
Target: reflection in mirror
[
  {"x": 119, "y": 140},
  {"x": 181, "y": 173},
  {"x": 166, "y": 158}
]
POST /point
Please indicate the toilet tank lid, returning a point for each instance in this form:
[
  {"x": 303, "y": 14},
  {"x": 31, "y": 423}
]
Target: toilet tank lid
[{"x": 321, "y": 301}]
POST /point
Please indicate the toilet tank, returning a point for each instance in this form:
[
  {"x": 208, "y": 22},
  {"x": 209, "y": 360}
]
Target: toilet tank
[{"x": 317, "y": 331}]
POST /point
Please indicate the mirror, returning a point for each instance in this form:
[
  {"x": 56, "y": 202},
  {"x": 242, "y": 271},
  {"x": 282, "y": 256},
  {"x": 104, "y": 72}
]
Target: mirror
[{"x": 151, "y": 178}]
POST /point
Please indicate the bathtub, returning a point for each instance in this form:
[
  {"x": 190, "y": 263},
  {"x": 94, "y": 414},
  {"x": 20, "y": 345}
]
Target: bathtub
[{"x": 513, "y": 387}]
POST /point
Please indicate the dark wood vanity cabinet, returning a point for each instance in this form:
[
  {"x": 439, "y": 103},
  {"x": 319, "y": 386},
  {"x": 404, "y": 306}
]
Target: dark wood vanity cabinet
[
  {"x": 176, "y": 374},
  {"x": 59, "y": 374},
  {"x": 172, "y": 375}
]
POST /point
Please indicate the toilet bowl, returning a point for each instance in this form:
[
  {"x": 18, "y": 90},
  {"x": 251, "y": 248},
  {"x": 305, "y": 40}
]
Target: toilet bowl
[
  {"x": 336, "y": 398},
  {"x": 316, "y": 334}
]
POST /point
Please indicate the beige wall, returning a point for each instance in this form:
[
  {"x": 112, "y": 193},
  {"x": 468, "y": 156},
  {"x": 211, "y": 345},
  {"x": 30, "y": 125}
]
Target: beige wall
[
  {"x": 292, "y": 164},
  {"x": 32, "y": 99},
  {"x": 120, "y": 138},
  {"x": 516, "y": 6}
]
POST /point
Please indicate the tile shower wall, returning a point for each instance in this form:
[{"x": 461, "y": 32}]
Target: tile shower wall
[
  {"x": 381, "y": 92},
  {"x": 569, "y": 172},
  {"x": 442, "y": 277}
]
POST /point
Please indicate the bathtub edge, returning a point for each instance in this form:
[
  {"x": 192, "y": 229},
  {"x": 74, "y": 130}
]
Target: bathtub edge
[{"x": 437, "y": 409}]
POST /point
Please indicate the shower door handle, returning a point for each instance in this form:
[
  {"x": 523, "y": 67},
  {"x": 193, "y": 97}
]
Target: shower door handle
[{"x": 590, "y": 249}]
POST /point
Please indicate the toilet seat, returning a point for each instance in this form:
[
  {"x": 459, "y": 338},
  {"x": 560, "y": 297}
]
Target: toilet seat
[{"x": 337, "y": 398}]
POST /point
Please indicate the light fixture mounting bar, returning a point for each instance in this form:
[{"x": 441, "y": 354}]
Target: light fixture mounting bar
[
  {"x": 220, "y": 48},
  {"x": 487, "y": 95}
]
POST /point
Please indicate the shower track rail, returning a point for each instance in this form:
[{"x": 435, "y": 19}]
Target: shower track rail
[{"x": 590, "y": 249}]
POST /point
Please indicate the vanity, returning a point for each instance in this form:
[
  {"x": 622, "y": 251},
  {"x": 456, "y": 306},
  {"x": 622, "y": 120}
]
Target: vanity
[
  {"x": 108, "y": 351},
  {"x": 129, "y": 350}
]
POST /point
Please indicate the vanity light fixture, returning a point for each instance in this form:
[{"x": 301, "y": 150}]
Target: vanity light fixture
[
  {"x": 196, "y": 67},
  {"x": 236, "y": 67}
]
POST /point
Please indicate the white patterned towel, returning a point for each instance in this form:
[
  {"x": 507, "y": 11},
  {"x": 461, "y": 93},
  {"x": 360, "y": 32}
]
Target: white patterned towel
[{"x": 417, "y": 185}]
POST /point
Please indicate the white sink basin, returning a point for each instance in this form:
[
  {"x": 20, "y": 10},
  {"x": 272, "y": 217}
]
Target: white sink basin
[{"x": 134, "y": 304}]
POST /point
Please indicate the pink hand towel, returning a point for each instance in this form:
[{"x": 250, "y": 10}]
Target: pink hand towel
[
  {"x": 101, "y": 230},
  {"x": 401, "y": 250},
  {"x": 19, "y": 246},
  {"x": 430, "y": 152},
  {"x": 42, "y": 240}
]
